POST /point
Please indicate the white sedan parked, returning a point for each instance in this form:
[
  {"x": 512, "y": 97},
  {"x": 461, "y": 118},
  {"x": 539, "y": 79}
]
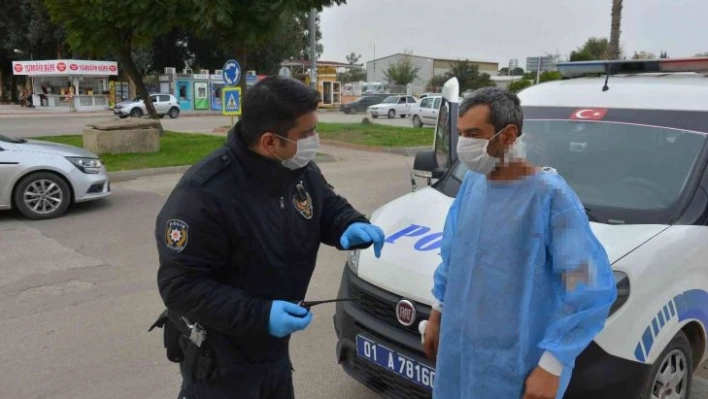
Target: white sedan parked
[
  {"x": 41, "y": 179},
  {"x": 392, "y": 106}
]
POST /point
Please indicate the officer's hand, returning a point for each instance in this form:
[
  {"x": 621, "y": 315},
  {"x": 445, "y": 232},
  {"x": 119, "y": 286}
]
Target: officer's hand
[
  {"x": 363, "y": 233},
  {"x": 286, "y": 318}
]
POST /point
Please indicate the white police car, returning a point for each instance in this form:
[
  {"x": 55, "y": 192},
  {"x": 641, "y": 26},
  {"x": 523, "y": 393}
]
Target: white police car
[{"x": 630, "y": 138}]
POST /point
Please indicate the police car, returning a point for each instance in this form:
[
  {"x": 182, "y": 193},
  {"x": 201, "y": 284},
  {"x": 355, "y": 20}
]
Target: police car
[{"x": 630, "y": 138}]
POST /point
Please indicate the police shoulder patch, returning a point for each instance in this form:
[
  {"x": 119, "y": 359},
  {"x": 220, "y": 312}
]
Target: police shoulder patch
[{"x": 176, "y": 235}]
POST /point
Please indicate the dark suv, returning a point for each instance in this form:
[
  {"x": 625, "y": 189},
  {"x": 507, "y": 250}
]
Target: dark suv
[{"x": 360, "y": 104}]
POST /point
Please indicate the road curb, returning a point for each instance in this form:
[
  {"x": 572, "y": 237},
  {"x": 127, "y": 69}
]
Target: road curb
[
  {"x": 392, "y": 150},
  {"x": 125, "y": 175}
]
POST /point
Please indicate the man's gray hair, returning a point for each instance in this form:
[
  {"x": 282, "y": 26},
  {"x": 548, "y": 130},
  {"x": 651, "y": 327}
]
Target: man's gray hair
[{"x": 505, "y": 107}]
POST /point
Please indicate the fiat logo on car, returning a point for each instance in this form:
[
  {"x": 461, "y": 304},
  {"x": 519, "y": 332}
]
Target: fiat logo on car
[{"x": 405, "y": 312}]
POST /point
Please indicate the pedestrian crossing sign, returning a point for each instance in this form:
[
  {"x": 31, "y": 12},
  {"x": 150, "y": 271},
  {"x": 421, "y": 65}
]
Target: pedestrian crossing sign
[{"x": 231, "y": 101}]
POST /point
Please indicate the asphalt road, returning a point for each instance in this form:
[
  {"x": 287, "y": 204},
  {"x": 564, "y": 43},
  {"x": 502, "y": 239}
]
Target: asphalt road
[
  {"x": 26, "y": 125},
  {"x": 79, "y": 293}
]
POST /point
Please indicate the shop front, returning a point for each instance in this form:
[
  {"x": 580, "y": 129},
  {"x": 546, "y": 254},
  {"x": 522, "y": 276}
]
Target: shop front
[
  {"x": 327, "y": 78},
  {"x": 77, "y": 85}
]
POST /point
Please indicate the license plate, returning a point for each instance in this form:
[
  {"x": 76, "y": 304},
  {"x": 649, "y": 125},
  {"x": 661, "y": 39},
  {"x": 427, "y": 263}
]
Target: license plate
[{"x": 403, "y": 366}]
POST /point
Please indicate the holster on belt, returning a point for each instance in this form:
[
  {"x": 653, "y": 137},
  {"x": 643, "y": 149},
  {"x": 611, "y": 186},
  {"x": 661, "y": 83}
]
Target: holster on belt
[{"x": 199, "y": 359}]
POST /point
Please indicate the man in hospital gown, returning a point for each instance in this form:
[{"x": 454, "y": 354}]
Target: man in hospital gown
[{"x": 524, "y": 285}]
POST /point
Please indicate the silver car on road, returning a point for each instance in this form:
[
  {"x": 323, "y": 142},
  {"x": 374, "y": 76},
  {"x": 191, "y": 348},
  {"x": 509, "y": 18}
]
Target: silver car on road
[{"x": 42, "y": 179}]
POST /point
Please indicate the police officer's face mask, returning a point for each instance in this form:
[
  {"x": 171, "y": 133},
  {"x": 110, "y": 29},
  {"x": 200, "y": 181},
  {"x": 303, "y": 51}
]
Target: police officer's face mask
[{"x": 306, "y": 151}]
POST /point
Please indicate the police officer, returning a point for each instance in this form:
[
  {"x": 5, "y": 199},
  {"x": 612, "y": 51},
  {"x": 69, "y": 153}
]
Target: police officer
[{"x": 238, "y": 241}]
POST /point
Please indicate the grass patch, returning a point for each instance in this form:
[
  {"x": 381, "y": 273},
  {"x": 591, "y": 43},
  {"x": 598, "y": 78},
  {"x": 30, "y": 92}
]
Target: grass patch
[
  {"x": 376, "y": 135},
  {"x": 179, "y": 149},
  {"x": 176, "y": 149}
]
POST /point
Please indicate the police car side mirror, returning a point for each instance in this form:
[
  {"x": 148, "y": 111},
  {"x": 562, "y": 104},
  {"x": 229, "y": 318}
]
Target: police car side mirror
[{"x": 424, "y": 165}]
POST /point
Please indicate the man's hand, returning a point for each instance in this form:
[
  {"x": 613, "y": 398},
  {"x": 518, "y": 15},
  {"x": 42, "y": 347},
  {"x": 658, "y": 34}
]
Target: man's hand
[
  {"x": 432, "y": 336},
  {"x": 541, "y": 385},
  {"x": 359, "y": 233}
]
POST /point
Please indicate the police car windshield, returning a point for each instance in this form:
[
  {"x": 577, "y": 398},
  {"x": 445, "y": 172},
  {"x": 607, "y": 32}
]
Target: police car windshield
[{"x": 614, "y": 165}]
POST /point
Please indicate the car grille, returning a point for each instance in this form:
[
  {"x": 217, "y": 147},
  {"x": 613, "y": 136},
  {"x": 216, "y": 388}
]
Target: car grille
[{"x": 384, "y": 310}]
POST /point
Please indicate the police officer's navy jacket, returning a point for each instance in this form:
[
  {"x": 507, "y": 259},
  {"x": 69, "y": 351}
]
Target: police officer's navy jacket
[{"x": 237, "y": 232}]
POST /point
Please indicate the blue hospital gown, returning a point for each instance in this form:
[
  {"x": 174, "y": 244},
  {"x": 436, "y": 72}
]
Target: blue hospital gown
[{"x": 505, "y": 245}]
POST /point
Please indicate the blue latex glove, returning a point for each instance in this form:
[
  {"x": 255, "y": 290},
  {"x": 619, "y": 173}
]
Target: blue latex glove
[
  {"x": 286, "y": 318},
  {"x": 363, "y": 233}
]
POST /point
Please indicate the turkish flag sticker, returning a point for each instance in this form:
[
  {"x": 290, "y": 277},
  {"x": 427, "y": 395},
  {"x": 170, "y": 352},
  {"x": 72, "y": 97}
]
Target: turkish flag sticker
[
  {"x": 73, "y": 67},
  {"x": 61, "y": 67},
  {"x": 589, "y": 114},
  {"x": 18, "y": 68}
]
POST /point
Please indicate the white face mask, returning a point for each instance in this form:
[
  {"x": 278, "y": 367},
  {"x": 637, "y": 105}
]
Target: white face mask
[
  {"x": 473, "y": 153},
  {"x": 306, "y": 151}
]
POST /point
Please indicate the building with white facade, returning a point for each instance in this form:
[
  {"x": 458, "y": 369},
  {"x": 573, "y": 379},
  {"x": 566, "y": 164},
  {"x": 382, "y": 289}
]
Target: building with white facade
[{"x": 428, "y": 68}]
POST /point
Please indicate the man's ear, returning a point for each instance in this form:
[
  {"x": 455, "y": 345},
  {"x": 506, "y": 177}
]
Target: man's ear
[
  {"x": 510, "y": 134},
  {"x": 267, "y": 142}
]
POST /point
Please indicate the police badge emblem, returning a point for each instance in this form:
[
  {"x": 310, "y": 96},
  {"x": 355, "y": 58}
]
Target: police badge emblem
[
  {"x": 176, "y": 235},
  {"x": 303, "y": 202}
]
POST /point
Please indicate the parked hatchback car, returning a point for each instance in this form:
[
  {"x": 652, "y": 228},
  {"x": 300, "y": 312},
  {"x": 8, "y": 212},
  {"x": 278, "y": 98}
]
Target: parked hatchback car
[
  {"x": 165, "y": 104},
  {"x": 360, "y": 104},
  {"x": 392, "y": 106},
  {"x": 42, "y": 179},
  {"x": 635, "y": 150}
]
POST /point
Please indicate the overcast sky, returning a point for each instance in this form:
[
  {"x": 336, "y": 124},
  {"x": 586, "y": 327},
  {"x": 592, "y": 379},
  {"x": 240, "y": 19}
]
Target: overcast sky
[{"x": 498, "y": 30}]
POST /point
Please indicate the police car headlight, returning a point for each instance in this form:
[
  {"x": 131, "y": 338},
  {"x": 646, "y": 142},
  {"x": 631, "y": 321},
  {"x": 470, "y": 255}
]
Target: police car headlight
[
  {"x": 353, "y": 261},
  {"x": 622, "y": 283},
  {"x": 86, "y": 165}
]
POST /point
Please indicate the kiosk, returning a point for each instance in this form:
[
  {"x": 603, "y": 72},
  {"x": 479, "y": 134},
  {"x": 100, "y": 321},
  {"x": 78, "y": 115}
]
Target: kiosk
[
  {"x": 79, "y": 85},
  {"x": 327, "y": 78}
]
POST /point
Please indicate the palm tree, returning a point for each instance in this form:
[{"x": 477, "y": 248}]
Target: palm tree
[{"x": 614, "y": 50}]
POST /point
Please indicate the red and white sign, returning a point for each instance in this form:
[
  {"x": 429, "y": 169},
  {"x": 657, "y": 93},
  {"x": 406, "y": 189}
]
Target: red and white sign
[
  {"x": 590, "y": 114},
  {"x": 59, "y": 68}
]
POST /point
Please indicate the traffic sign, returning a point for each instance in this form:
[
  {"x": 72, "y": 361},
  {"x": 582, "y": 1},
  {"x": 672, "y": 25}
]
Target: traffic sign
[
  {"x": 231, "y": 72},
  {"x": 231, "y": 101},
  {"x": 285, "y": 71}
]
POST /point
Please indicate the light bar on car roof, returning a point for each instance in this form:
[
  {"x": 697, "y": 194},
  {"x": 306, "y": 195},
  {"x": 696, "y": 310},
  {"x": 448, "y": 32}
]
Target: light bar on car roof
[{"x": 663, "y": 65}]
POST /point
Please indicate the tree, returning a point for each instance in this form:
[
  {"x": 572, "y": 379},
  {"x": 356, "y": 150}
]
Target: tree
[
  {"x": 518, "y": 85},
  {"x": 593, "y": 49},
  {"x": 240, "y": 26},
  {"x": 702, "y": 54},
  {"x": 615, "y": 30},
  {"x": 437, "y": 82},
  {"x": 514, "y": 72},
  {"x": 549, "y": 76},
  {"x": 105, "y": 27},
  {"x": 25, "y": 25},
  {"x": 664, "y": 55},
  {"x": 643, "y": 55},
  {"x": 355, "y": 72},
  {"x": 468, "y": 76},
  {"x": 403, "y": 71}
]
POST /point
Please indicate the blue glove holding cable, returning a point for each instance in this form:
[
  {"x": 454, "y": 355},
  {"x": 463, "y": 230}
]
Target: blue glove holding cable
[
  {"x": 287, "y": 318},
  {"x": 359, "y": 233}
]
